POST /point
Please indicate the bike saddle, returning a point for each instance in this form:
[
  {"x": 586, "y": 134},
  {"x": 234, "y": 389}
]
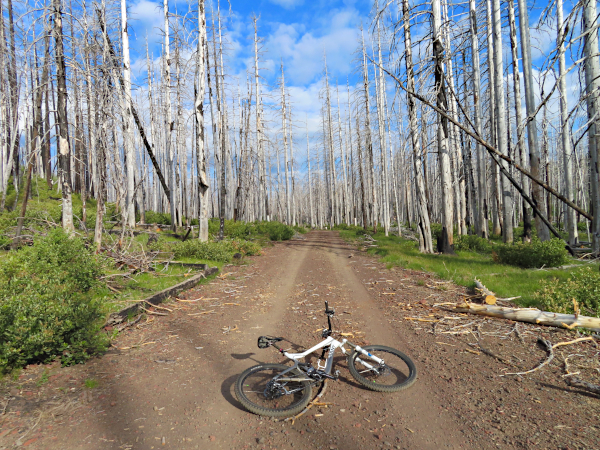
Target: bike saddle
[{"x": 267, "y": 341}]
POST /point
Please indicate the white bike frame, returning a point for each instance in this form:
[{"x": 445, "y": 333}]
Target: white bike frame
[{"x": 333, "y": 345}]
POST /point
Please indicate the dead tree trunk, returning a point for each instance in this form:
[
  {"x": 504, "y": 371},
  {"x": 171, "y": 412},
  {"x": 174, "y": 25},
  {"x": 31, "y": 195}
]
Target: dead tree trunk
[
  {"x": 532, "y": 133},
  {"x": 519, "y": 117},
  {"x": 199, "y": 111},
  {"x": 500, "y": 105},
  {"x": 446, "y": 241},
  {"x": 426, "y": 244},
  {"x": 592, "y": 84},
  {"x": 481, "y": 224},
  {"x": 64, "y": 154}
]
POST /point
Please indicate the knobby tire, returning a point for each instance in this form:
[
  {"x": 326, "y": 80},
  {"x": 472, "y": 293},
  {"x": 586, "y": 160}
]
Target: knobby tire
[
  {"x": 403, "y": 374},
  {"x": 250, "y": 383}
]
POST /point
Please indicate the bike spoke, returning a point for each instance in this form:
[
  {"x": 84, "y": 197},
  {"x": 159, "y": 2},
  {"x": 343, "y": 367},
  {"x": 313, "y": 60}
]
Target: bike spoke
[{"x": 262, "y": 390}]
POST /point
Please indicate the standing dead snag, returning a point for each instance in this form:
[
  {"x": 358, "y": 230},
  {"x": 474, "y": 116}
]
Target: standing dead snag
[
  {"x": 202, "y": 179},
  {"x": 446, "y": 241},
  {"x": 64, "y": 160}
]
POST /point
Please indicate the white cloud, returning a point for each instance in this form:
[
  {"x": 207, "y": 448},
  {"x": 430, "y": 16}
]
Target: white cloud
[
  {"x": 302, "y": 51},
  {"x": 287, "y": 4},
  {"x": 147, "y": 12}
]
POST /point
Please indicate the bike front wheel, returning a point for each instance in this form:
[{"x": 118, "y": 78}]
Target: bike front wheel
[
  {"x": 397, "y": 372},
  {"x": 260, "y": 394}
]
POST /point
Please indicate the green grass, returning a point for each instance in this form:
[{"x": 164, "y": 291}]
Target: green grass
[
  {"x": 504, "y": 280},
  {"x": 44, "y": 378},
  {"x": 143, "y": 285},
  {"x": 91, "y": 383}
]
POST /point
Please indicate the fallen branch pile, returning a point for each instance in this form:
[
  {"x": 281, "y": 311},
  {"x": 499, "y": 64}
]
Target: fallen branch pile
[{"x": 465, "y": 328}]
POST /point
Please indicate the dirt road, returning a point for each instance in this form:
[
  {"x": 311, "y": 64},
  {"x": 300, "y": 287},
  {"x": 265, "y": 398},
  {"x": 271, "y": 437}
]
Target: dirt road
[{"x": 168, "y": 383}]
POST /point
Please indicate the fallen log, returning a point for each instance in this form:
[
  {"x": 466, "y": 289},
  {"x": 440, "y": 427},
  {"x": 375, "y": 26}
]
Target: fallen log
[
  {"x": 157, "y": 298},
  {"x": 532, "y": 315},
  {"x": 489, "y": 297}
]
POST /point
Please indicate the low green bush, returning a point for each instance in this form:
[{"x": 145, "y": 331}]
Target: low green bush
[
  {"x": 536, "y": 253},
  {"x": 472, "y": 243},
  {"x": 346, "y": 227},
  {"x": 213, "y": 226},
  {"x": 583, "y": 285},
  {"x": 47, "y": 306},
  {"x": 111, "y": 214},
  {"x": 582, "y": 227},
  {"x": 235, "y": 229},
  {"x": 220, "y": 251},
  {"x": 276, "y": 231},
  {"x": 238, "y": 229},
  {"x": 5, "y": 242},
  {"x": 193, "y": 248},
  {"x": 300, "y": 229},
  {"x": 245, "y": 247},
  {"x": 158, "y": 218},
  {"x": 362, "y": 232},
  {"x": 436, "y": 230}
]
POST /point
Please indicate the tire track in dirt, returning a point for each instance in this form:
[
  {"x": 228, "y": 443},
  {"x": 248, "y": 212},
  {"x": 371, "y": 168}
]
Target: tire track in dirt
[{"x": 418, "y": 404}]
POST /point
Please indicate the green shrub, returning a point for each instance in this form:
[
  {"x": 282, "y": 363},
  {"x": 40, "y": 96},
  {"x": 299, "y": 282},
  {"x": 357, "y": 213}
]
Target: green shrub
[
  {"x": 536, "y": 253},
  {"x": 238, "y": 229},
  {"x": 220, "y": 251},
  {"x": 582, "y": 227},
  {"x": 344, "y": 227},
  {"x": 245, "y": 247},
  {"x": 158, "y": 218},
  {"x": 362, "y": 232},
  {"x": 472, "y": 243},
  {"x": 276, "y": 231},
  {"x": 213, "y": 226},
  {"x": 5, "y": 242},
  {"x": 111, "y": 214},
  {"x": 583, "y": 285},
  {"x": 436, "y": 230},
  {"x": 300, "y": 229},
  {"x": 47, "y": 306},
  {"x": 214, "y": 251}
]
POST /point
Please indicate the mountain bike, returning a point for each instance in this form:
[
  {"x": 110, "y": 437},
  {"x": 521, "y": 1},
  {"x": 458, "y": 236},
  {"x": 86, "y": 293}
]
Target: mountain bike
[{"x": 277, "y": 390}]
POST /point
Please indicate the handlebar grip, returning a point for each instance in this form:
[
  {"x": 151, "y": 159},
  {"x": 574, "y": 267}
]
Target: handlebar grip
[{"x": 326, "y": 306}]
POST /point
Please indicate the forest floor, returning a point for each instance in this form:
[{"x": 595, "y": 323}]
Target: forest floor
[{"x": 168, "y": 382}]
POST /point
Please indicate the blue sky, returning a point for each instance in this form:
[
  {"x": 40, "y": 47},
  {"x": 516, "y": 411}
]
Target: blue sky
[{"x": 297, "y": 32}]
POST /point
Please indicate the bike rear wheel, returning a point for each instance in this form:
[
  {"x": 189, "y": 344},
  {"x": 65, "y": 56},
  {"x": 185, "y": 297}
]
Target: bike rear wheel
[
  {"x": 258, "y": 393},
  {"x": 396, "y": 374}
]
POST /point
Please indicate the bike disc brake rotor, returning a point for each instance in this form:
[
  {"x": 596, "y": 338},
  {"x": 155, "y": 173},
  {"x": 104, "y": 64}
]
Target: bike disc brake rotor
[
  {"x": 274, "y": 390},
  {"x": 383, "y": 371}
]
